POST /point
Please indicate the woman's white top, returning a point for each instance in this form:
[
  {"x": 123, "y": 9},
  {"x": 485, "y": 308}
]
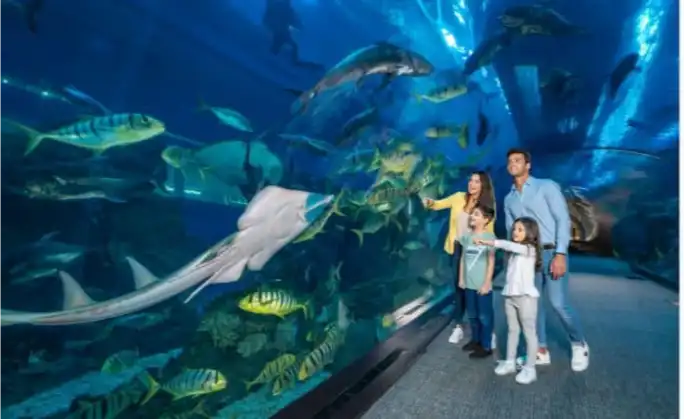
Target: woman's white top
[{"x": 520, "y": 271}]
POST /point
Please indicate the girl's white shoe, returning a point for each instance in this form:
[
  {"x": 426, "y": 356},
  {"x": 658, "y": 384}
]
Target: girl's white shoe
[
  {"x": 505, "y": 368},
  {"x": 526, "y": 376}
]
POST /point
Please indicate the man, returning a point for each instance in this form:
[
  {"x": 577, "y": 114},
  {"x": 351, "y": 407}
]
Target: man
[{"x": 543, "y": 200}]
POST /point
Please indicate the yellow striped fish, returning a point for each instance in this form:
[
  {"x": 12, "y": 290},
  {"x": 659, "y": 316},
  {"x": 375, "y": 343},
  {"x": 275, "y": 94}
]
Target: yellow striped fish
[
  {"x": 443, "y": 93},
  {"x": 109, "y": 407},
  {"x": 273, "y": 369},
  {"x": 191, "y": 382},
  {"x": 285, "y": 381},
  {"x": 119, "y": 361},
  {"x": 321, "y": 356},
  {"x": 273, "y": 302},
  {"x": 98, "y": 133}
]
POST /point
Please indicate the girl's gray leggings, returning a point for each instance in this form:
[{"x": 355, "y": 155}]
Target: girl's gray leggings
[{"x": 521, "y": 311}]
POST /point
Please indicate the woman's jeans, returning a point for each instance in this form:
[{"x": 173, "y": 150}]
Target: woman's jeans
[{"x": 459, "y": 294}]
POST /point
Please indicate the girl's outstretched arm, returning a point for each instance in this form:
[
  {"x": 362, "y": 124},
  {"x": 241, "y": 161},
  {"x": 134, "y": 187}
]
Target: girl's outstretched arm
[{"x": 509, "y": 246}]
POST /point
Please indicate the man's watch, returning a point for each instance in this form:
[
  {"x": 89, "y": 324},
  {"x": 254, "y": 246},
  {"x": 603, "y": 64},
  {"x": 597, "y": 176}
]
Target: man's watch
[{"x": 559, "y": 253}]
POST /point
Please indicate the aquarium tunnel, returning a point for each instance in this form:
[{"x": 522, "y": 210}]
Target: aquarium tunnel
[{"x": 255, "y": 209}]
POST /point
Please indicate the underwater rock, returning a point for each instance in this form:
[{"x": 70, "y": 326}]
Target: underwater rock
[
  {"x": 222, "y": 327},
  {"x": 252, "y": 344},
  {"x": 93, "y": 384},
  {"x": 285, "y": 335}
]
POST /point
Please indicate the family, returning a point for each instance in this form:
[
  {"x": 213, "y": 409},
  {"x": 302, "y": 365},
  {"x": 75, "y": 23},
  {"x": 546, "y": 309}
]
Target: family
[{"x": 538, "y": 227}]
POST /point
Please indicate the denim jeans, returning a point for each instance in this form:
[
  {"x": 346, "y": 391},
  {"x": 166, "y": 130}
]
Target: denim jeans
[
  {"x": 459, "y": 293},
  {"x": 481, "y": 316},
  {"x": 556, "y": 291}
]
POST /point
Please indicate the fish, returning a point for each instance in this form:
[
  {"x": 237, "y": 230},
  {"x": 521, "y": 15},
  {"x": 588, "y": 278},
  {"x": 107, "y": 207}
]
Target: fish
[
  {"x": 45, "y": 257},
  {"x": 285, "y": 381},
  {"x": 183, "y": 159},
  {"x": 120, "y": 361},
  {"x": 30, "y": 9},
  {"x": 108, "y": 407},
  {"x": 97, "y": 134},
  {"x": 316, "y": 146},
  {"x": 317, "y": 226},
  {"x": 273, "y": 369},
  {"x": 357, "y": 124},
  {"x": 273, "y": 302},
  {"x": 83, "y": 98},
  {"x": 443, "y": 131},
  {"x": 486, "y": 51},
  {"x": 271, "y": 220},
  {"x": 380, "y": 58},
  {"x": 443, "y": 93},
  {"x": 228, "y": 116},
  {"x": 189, "y": 383},
  {"x": 372, "y": 225},
  {"x": 316, "y": 360},
  {"x": 413, "y": 245},
  {"x": 624, "y": 67}
]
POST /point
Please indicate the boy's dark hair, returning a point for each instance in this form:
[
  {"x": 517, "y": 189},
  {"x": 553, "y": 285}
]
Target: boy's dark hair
[
  {"x": 487, "y": 212},
  {"x": 532, "y": 238},
  {"x": 526, "y": 154}
]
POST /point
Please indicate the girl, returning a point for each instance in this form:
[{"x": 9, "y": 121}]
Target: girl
[
  {"x": 520, "y": 295},
  {"x": 475, "y": 277},
  {"x": 461, "y": 204}
]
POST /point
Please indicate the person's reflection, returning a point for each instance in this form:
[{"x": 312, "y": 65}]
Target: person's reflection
[{"x": 280, "y": 18}]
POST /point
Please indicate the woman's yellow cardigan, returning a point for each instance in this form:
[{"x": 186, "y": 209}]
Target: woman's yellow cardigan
[{"x": 455, "y": 202}]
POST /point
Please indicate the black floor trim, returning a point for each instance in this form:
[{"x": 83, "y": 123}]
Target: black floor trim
[
  {"x": 352, "y": 391},
  {"x": 648, "y": 274}
]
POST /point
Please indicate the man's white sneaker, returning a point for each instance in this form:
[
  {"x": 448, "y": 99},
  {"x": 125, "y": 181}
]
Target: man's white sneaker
[
  {"x": 456, "y": 335},
  {"x": 543, "y": 358},
  {"x": 505, "y": 368},
  {"x": 493, "y": 341},
  {"x": 526, "y": 376},
  {"x": 580, "y": 357}
]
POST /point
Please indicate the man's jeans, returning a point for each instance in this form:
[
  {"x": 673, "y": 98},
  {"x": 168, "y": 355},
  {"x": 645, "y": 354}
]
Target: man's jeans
[{"x": 557, "y": 293}]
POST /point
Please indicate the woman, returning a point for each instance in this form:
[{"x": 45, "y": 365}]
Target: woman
[{"x": 461, "y": 205}]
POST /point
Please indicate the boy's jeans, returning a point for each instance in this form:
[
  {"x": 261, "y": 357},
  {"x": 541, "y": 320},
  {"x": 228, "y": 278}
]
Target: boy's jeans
[{"x": 480, "y": 310}]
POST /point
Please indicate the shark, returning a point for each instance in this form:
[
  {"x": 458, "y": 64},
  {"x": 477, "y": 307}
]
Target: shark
[{"x": 272, "y": 219}]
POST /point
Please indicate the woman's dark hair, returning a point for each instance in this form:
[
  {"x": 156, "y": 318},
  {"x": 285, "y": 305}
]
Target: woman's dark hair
[
  {"x": 487, "y": 212},
  {"x": 486, "y": 193},
  {"x": 532, "y": 238}
]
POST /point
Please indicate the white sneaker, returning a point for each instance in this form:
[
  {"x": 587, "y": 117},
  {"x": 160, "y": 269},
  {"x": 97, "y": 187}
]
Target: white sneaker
[
  {"x": 543, "y": 358},
  {"x": 505, "y": 368},
  {"x": 456, "y": 335},
  {"x": 493, "y": 341},
  {"x": 526, "y": 376},
  {"x": 580, "y": 357}
]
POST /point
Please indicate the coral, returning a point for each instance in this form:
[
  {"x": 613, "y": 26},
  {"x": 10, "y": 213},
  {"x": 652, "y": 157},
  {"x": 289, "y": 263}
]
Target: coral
[
  {"x": 222, "y": 327},
  {"x": 252, "y": 344},
  {"x": 285, "y": 335}
]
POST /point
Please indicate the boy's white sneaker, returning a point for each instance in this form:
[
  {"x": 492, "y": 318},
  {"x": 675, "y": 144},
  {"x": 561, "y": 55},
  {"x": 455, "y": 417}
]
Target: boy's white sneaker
[
  {"x": 526, "y": 376},
  {"x": 456, "y": 335},
  {"x": 505, "y": 368},
  {"x": 580, "y": 357},
  {"x": 543, "y": 358}
]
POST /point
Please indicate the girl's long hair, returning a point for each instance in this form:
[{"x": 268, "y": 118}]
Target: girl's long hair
[
  {"x": 486, "y": 193},
  {"x": 532, "y": 238}
]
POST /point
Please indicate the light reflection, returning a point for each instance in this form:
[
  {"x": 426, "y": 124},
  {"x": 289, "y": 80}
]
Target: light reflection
[{"x": 646, "y": 39}]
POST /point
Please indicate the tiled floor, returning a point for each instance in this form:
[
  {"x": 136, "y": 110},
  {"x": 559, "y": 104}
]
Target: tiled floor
[{"x": 632, "y": 329}]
